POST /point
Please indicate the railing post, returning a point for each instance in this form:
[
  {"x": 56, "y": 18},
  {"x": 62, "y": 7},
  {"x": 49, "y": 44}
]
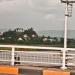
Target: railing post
[
  {"x": 64, "y": 60},
  {"x": 12, "y": 56}
]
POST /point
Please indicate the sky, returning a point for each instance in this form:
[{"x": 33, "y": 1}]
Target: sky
[{"x": 39, "y": 14}]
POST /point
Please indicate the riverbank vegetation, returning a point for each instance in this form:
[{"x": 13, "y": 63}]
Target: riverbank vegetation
[{"x": 20, "y": 36}]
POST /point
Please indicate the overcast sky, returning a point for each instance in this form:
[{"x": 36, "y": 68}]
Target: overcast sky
[{"x": 39, "y": 14}]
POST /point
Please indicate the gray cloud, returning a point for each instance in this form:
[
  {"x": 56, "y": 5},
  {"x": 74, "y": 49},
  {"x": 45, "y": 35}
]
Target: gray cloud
[
  {"x": 39, "y": 14},
  {"x": 43, "y": 5},
  {"x": 6, "y": 0}
]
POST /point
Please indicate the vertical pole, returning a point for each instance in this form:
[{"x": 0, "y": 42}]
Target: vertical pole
[
  {"x": 65, "y": 37},
  {"x": 12, "y": 58},
  {"x": 66, "y": 26}
]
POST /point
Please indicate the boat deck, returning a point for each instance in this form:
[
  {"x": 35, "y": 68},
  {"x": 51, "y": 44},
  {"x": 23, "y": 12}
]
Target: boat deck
[{"x": 33, "y": 70}]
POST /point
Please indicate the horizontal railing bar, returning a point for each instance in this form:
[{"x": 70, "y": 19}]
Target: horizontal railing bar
[
  {"x": 38, "y": 52},
  {"x": 70, "y": 54},
  {"x": 5, "y": 60},
  {"x": 30, "y": 62},
  {"x": 37, "y": 47},
  {"x": 5, "y": 50},
  {"x": 70, "y": 64},
  {"x": 32, "y": 47}
]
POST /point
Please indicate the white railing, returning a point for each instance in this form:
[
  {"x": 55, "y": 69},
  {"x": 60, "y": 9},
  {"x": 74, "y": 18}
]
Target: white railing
[{"x": 52, "y": 56}]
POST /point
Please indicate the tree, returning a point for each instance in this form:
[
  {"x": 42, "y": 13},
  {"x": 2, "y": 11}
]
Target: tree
[{"x": 30, "y": 32}]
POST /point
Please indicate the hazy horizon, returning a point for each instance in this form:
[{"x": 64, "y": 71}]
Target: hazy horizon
[
  {"x": 6, "y": 29},
  {"x": 53, "y": 33}
]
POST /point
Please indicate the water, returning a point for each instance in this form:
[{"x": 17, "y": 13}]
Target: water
[
  {"x": 57, "y": 33},
  {"x": 52, "y": 33}
]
